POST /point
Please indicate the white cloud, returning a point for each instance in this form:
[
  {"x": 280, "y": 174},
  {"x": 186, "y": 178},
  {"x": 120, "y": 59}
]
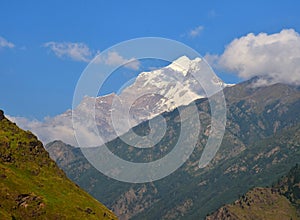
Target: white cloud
[
  {"x": 61, "y": 127},
  {"x": 81, "y": 52},
  {"x": 113, "y": 58},
  {"x": 274, "y": 56},
  {"x": 75, "y": 51},
  {"x": 5, "y": 43},
  {"x": 212, "y": 59},
  {"x": 57, "y": 128},
  {"x": 196, "y": 31}
]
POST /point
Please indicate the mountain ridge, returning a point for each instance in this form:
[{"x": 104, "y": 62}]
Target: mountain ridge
[{"x": 261, "y": 143}]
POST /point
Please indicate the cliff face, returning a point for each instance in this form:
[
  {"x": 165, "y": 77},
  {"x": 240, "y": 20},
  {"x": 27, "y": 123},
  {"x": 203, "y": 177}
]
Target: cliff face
[{"x": 32, "y": 185}]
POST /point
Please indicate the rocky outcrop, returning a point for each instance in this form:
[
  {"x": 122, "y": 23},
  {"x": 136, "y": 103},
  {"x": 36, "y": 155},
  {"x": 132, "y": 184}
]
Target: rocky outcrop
[{"x": 1, "y": 114}]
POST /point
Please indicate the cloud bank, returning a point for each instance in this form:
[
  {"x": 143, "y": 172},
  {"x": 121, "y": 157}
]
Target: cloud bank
[
  {"x": 273, "y": 56},
  {"x": 57, "y": 128}
]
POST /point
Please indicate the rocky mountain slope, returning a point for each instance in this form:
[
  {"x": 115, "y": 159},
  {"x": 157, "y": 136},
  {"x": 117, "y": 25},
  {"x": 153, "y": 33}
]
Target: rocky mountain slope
[
  {"x": 33, "y": 187},
  {"x": 281, "y": 201},
  {"x": 261, "y": 143}
]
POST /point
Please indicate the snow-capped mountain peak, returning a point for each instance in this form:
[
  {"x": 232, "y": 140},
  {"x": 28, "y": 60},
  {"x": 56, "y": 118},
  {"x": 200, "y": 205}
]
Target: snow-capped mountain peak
[
  {"x": 152, "y": 93},
  {"x": 182, "y": 64}
]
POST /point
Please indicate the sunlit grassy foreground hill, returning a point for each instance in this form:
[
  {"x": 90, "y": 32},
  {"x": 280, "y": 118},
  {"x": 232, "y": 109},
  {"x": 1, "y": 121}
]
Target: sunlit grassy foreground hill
[{"x": 33, "y": 187}]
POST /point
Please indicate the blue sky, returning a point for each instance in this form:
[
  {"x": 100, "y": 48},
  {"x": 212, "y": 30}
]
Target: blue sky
[{"x": 36, "y": 82}]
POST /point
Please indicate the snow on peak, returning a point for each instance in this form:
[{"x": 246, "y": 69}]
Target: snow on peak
[
  {"x": 182, "y": 64},
  {"x": 151, "y": 94}
]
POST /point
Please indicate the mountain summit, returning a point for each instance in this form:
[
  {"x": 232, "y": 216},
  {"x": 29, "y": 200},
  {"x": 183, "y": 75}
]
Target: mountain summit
[
  {"x": 152, "y": 93},
  {"x": 182, "y": 64},
  {"x": 164, "y": 89}
]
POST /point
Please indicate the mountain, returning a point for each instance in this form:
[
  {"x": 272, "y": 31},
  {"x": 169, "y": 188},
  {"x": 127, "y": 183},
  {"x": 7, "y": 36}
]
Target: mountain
[
  {"x": 165, "y": 89},
  {"x": 33, "y": 187},
  {"x": 151, "y": 94},
  {"x": 281, "y": 201},
  {"x": 261, "y": 143}
]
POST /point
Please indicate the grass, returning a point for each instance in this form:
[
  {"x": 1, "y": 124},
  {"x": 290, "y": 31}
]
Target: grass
[
  {"x": 32, "y": 186},
  {"x": 264, "y": 205}
]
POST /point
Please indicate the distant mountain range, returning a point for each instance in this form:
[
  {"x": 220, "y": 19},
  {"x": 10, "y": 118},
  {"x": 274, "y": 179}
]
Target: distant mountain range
[
  {"x": 33, "y": 187},
  {"x": 261, "y": 143}
]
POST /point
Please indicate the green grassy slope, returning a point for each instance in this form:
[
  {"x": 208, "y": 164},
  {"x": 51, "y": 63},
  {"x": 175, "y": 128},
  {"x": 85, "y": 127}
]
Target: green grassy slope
[{"x": 32, "y": 186}]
